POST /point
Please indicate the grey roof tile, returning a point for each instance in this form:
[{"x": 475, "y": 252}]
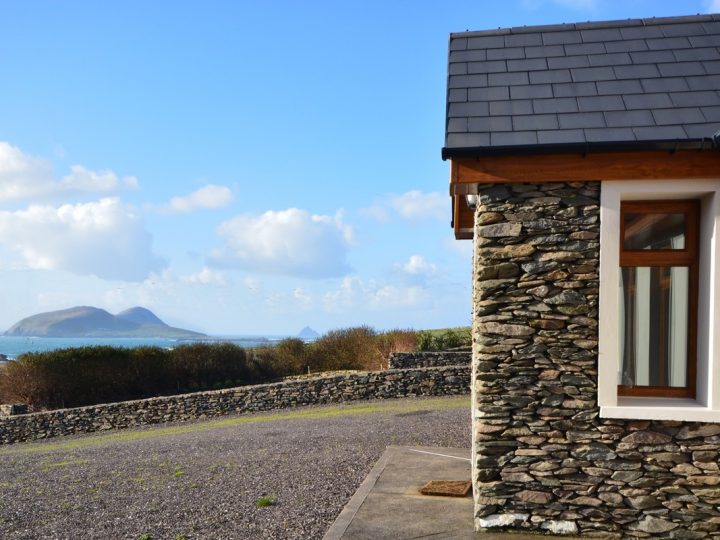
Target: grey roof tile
[
  {"x": 491, "y": 123},
  {"x": 658, "y": 133},
  {"x": 581, "y": 120},
  {"x": 559, "y": 38},
  {"x": 555, "y": 105},
  {"x": 519, "y": 106},
  {"x": 535, "y": 121},
  {"x": 647, "y": 101},
  {"x": 467, "y": 81},
  {"x": 711, "y": 114},
  {"x": 626, "y": 46},
  {"x": 689, "y": 29},
  {"x": 544, "y": 51},
  {"x": 468, "y": 108},
  {"x": 712, "y": 67},
  {"x": 668, "y": 43},
  {"x": 625, "y": 86},
  {"x": 467, "y": 140},
  {"x": 593, "y": 74},
  {"x": 505, "y": 54},
  {"x": 489, "y": 93},
  {"x": 609, "y": 135},
  {"x": 687, "y": 115},
  {"x": 702, "y": 131},
  {"x": 550, "y": 76},
  {"x": 641, "y": 32},
  {"x": 601, "y": 103},
  {"x": 650, "y": 79},
  {"x": 458, "y": 44},
  {"x": 507, "y": 79},
  {"x": 602, "y": 34},
  {"x": 531, "y": 91},
  {"x": 559, "y": 136},
  {"x": 494, "y": 66},
  {"x": 705, "y": 41},
  {"x": 457, "y": 125},
  {"x": 513, "y": 138},
  {"x": 707, "y": 53},
  {"x": 568, "y": 62},
  {"x": 458, "y": 69},
  {"x": 681, "y": 69},
  {"x": 690, "y": 99},
  {"x": 523, "y": 40},
  {"x": 701, "y": 82},
  {"x": 629, "y": 118},
  {"x": 575, "y": 89},
  {"x": 486, "y": 42},
  {"x": 530, "y": 64},
  {"x": 613, "y": 59},
  {"x": 457, "y": 95},
  {"x": 667, "y": 84},
  {"x": 468, "y": 56},
  {"x": 585, "y": 48},
  {"x": 652, "y": 57},
  {"x": 640, "y": 71}
]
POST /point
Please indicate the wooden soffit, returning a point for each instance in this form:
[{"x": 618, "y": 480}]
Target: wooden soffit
[{"x": 467, "y": 173}]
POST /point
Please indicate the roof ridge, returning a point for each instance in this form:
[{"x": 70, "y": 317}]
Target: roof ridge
[{"x": 564, "y": 27}]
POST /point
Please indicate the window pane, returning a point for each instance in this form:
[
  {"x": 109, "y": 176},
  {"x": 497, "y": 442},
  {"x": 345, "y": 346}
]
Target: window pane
[
  {"x": 654, "y": 231},
  {"x": 654, "y": 326}
]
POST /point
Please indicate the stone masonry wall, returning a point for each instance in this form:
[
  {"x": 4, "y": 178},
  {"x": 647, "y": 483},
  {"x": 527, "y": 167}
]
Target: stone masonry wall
[
  {"x": 544, "y": 460},
  {"x": 429, "y": 359},
  {"x": 336, "y": 389}
]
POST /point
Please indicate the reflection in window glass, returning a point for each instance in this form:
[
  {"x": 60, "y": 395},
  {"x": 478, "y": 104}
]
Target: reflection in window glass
[
  {"x": 654, "y": 231},
  {"x": 654, "y": 326}
]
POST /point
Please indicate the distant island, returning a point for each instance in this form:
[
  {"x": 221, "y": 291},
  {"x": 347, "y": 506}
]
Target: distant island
[
  {"x": 308, "y": 334},
  {"x": 85, "y": 321}
]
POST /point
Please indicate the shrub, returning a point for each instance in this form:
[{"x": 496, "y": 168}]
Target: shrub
[{"x": 437, "y": 340}]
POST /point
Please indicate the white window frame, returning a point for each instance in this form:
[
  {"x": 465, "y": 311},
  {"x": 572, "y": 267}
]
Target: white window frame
[{"x": 706, "y": 405}]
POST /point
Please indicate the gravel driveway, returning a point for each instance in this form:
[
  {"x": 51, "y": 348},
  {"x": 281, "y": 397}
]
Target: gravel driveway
[{"x": 204, "y": 479}]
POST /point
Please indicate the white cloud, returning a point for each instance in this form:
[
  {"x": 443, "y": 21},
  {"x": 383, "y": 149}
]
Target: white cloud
[
  {"x": 25, "y": 177},
  {"x": 207, "y": 276},
  {"x": 418, "y": 266},
  {"x": 713, "y": 6},
  {"x": 105, "y": 238},
  {"x": 207, "y": 197},
  {"x": 412, "y": 205},
  {"x": 290, "y": 242},
  {"x": 358, "y": 294}
]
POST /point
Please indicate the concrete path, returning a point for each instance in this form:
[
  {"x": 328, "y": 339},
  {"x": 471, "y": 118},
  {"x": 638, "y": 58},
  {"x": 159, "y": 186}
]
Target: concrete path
[{"x": 388, "y": 504}]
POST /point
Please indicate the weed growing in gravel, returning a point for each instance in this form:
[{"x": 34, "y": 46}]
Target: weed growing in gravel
[
  {"x": 263, "y": 502},
  {"x": 180, "y": 537},
  {"x": 178, "y": 472},
  {"x": 145, "y": 536}
]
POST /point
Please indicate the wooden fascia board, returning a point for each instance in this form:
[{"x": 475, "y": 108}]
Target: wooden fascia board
[{"x": 651, "y": 165}]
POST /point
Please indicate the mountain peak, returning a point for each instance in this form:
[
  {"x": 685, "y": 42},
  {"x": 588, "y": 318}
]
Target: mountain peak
[{"x": 308, "y": 333}]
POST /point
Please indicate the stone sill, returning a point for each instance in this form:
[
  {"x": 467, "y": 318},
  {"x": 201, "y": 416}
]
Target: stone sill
[{"x": 647, "y": 408}]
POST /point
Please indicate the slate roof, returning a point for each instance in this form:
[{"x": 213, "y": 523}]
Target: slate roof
[{"x": 619, "y": 82}]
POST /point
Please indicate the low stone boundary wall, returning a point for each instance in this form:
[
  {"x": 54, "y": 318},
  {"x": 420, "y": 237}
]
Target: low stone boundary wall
[
  {"x": 429, "y": 359},
  {"x": 336, "y": 389}
]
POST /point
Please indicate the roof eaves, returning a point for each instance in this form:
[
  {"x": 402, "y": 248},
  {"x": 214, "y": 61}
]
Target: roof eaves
[{"x": 584, "y": 148}]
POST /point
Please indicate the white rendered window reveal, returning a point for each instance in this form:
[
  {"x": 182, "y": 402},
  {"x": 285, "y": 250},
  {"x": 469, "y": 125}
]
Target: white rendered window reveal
[{"x": 627, "y": 306}]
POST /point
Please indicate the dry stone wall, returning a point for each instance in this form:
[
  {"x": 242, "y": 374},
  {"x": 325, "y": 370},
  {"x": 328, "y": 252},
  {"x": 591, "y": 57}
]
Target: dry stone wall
[
  {"x": 336, "y": 389},
  {"x": 429, "y": 359},
  {"x": 545, "y": 461}
]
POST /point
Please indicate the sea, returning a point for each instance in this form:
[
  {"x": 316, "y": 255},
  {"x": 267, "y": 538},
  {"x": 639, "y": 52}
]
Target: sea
[{"x": 13, "y": 346}]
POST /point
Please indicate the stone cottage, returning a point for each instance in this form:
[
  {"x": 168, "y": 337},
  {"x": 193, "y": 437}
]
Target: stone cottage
[{"x": 585, "y": 166}]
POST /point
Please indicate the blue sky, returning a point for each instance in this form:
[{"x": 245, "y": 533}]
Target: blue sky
[{"x": 241, "y": 167}]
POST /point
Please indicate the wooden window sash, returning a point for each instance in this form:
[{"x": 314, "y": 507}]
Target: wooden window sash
[{"x": 663, "y": 258}]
